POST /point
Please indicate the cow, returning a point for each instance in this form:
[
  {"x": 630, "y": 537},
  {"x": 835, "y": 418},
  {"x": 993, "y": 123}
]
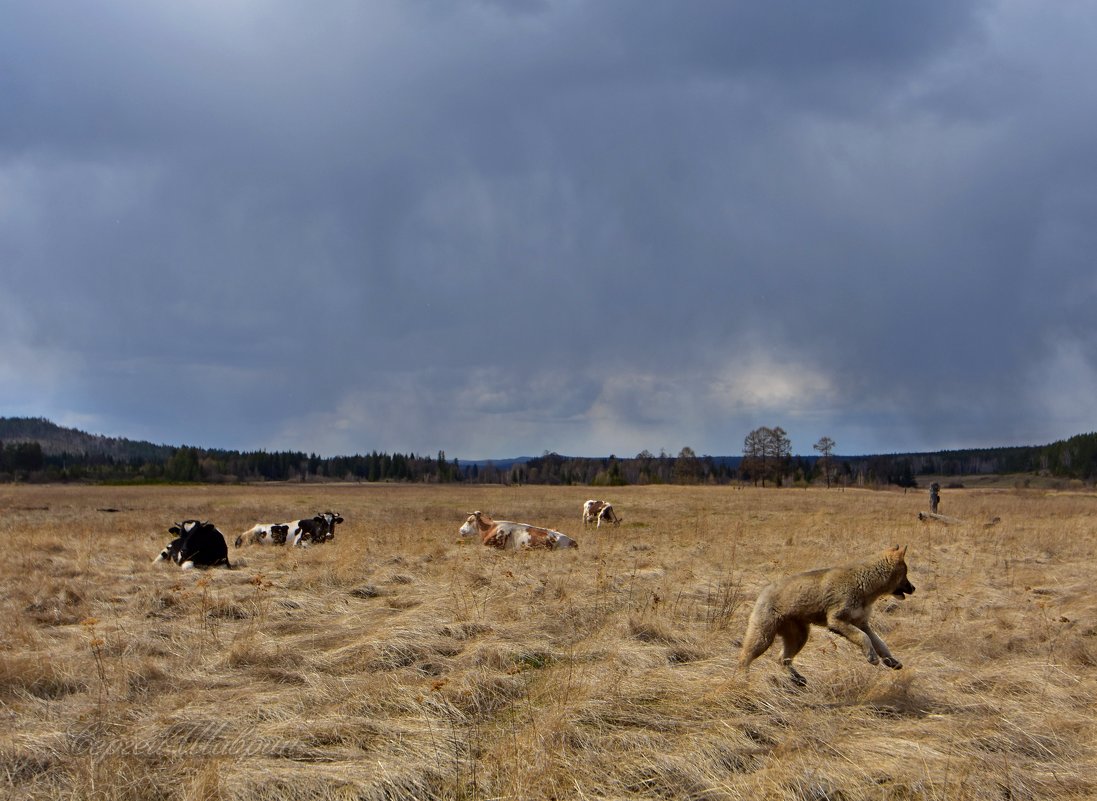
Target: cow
[
  {"x": 264, "y": 534},
  {"x": 306, "y": 531},
  {"x": 197, "y": 544},
  {"x": 598, "y": 511},
  {"x": 505, "y": 535},
  {"x": 318, "y": 529}
]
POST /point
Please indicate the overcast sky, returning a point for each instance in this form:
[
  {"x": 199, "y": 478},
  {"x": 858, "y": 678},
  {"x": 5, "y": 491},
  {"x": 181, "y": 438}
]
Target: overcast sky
[{"x": 500, "y": 227}]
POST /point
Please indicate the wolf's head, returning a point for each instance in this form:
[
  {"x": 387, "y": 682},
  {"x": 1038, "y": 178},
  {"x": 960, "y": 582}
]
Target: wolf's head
[{"x": 897, "y": 556}]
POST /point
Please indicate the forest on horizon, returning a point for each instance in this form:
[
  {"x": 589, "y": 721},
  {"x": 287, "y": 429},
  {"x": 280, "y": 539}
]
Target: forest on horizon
[{"x": 37, "y": 450}]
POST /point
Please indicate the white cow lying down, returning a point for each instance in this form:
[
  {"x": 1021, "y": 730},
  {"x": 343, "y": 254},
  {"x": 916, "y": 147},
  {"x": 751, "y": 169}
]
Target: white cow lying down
[
  {"x": 505, "y": 534},
  {"x": 317, "y": 529}
]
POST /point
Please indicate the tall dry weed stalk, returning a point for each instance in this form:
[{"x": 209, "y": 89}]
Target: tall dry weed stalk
[{"x": 96, "y": 643}]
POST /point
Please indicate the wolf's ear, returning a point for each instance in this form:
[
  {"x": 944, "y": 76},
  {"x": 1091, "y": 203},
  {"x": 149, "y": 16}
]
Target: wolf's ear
[{"x": 900, "y": 551}]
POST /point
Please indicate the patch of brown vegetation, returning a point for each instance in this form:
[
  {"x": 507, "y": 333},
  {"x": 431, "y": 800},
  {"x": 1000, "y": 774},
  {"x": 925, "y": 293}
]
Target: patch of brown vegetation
[{"x": 398, "y": 662}]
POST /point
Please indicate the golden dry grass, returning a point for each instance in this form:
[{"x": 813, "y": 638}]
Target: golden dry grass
[{"x": 397, "y": 662}]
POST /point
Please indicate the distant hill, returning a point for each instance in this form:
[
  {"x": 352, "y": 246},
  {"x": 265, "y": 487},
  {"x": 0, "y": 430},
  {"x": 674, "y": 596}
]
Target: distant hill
[
  {"x": 502, "y": 464},
  {"x": 507, "y": 463},
  {"x": 56, "y": 440}
]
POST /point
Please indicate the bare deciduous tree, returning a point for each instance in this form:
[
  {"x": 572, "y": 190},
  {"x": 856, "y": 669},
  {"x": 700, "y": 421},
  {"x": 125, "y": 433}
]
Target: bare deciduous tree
[
  {"x": 754, "y": 458},
  {"x": 779, "y": 450},
  {"x": 687, "y": 469},
  {"x": 765, "y": 451},
  {"x": 825, "y": 446}
]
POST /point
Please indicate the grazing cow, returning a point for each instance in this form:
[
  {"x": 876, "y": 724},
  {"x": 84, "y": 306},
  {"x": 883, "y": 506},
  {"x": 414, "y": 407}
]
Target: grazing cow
[
  {"x": 598, "y": 511},
  {"x": 504, "y": 534},
  {"x": 196, "y": 544},
  {"x": 303, "y": 532}
]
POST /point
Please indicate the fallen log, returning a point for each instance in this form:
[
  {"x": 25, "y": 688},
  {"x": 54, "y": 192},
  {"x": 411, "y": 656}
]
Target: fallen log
[
  {"x": 945, "y": 519},
  {"x": 925, "y": 517}
]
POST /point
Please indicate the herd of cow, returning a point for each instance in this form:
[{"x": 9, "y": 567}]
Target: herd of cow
[
  {"x": 199, "y": 543},
  {"x": 839, "y": 598}
]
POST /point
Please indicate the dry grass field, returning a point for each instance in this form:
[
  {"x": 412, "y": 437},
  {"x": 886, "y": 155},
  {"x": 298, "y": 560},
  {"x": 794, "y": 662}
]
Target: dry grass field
[{"x": 398, "y": 662}]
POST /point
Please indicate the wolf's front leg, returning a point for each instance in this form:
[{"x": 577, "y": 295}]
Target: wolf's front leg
[
  {"x": 856, "y": 636},
  {"x": 881, "y": 648}
]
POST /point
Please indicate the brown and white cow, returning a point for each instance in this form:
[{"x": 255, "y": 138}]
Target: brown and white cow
[
  {"x": 504, "y": 534},
  {"x": 598, "y": 511}
]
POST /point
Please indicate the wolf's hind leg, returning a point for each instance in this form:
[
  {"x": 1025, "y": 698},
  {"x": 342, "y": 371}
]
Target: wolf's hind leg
[{"x": 794, "y": 635}]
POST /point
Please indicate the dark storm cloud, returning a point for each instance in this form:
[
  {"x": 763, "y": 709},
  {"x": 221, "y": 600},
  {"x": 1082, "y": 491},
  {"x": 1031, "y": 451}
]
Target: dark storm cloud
[{"x": 505, "y": 227}]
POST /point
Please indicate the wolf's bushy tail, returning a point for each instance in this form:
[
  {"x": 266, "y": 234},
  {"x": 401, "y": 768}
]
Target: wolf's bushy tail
[{"x": 761, "y": 628}]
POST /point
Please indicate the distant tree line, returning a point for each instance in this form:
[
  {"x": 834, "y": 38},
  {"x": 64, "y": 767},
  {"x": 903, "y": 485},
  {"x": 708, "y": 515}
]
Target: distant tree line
[
  {"x": 1072, "y": 458},
  {"x": 36, "y": 450}
]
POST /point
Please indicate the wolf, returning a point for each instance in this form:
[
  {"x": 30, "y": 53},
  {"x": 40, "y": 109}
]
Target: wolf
[{"x": 839, "y": 598}]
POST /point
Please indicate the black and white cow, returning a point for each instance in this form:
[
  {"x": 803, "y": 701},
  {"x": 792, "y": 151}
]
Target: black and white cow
[
  {"x": 306, "y": 531},
  {"x": 265, "y": 534},
  {"x": 320, "y": 528},
  {"x": 196, "y": 544}
]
